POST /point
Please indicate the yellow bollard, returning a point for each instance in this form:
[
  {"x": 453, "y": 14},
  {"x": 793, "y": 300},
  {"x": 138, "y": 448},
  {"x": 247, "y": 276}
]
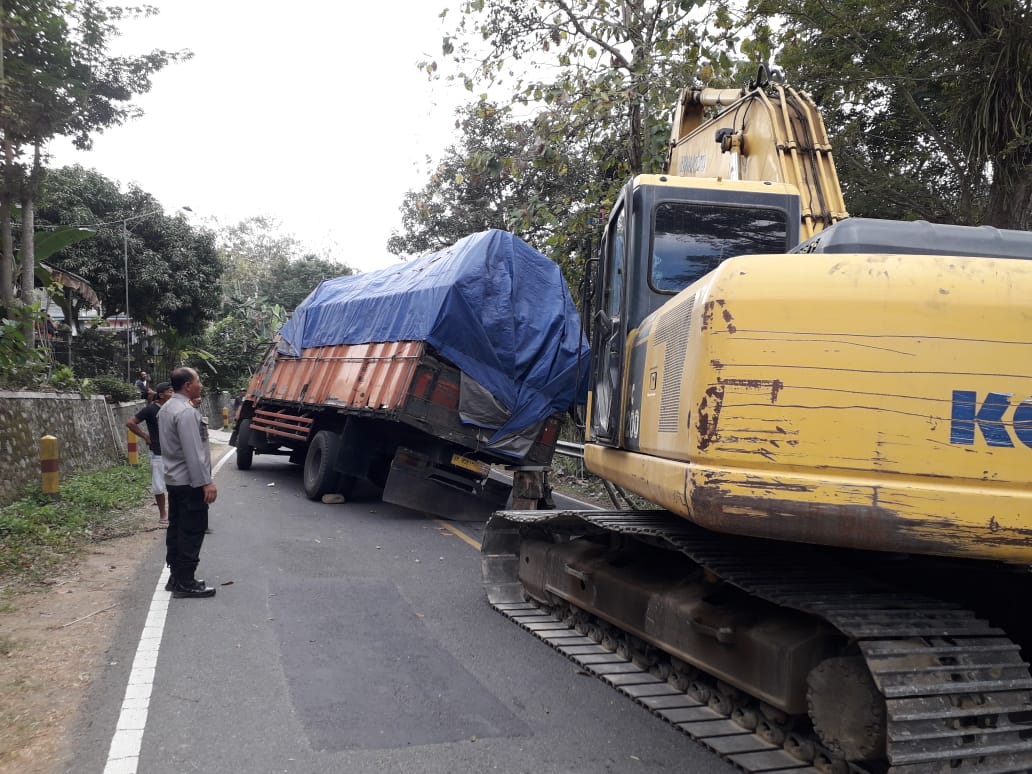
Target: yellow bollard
[
  {"x": 49, "y": 465},
  {"x": 134, "y": 455},
  {"x": 225, "y": 418}
]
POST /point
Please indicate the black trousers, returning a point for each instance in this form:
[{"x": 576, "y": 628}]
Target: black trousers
[{"x": 187, "y": 521}]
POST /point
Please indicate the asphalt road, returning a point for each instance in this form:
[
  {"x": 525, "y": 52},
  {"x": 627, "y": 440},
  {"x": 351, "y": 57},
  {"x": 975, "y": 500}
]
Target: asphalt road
[{"x": 356, "y": 638}]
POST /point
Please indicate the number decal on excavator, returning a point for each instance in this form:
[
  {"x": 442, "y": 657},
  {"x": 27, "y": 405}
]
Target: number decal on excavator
[
  {"x": 692, "y": 166},
  {"x": 633, "y": 423},
  {"x": 990, "y": 418}
]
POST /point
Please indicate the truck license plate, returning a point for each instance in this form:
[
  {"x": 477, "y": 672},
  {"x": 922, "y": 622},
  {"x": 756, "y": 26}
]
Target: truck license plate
[{"x": 465, "y": 462}]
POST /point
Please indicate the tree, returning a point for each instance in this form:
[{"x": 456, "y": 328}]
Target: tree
[
  {"x": 179, "y": 275},
  {"x": 600, "y": 79},
  {"x": 494, "y": 177},
  {"x": 249, "y": 249},
  {"x": 75, "y": 195},
  {"x": 266, "y": 276},
  {"x": 929, "y": 104},
  {"x": 174, "y": 269},
  {"x": 98, "y": 353},
  {"x": 235, "y": 345},
  {"x": 617, "y": 65},
  {"x": 57, "y": 79},
  {"x": 265, "y": 266},
  {"x": 290, "y": 281}
]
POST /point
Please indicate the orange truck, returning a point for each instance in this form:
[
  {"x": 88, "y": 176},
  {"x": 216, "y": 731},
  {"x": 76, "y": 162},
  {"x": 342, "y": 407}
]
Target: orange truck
[{"x": 421, "y": 377}]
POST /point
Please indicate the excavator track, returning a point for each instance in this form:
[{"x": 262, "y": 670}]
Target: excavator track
[{"x": 958, "y": 696}]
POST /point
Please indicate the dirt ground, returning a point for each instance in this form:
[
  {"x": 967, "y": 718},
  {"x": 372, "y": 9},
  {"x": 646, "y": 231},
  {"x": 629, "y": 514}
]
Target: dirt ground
[{"x": 52, "y": 644}]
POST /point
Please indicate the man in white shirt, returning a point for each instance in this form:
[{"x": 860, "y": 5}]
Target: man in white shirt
[{"x": 149, "y": 415}]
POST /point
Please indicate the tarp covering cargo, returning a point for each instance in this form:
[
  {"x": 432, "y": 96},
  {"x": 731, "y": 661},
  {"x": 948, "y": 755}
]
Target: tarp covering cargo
[{"x": 491, "y": 304}]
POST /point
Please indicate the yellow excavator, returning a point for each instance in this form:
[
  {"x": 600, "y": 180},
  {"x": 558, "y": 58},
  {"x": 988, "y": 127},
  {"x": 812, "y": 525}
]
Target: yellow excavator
[{"x": 827, "y": 425}]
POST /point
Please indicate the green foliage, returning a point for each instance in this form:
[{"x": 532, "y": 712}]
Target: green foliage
[
  {"x": 599, "y": 80},
  {"x": 236, "y": 345},
  {"x": 248, "y": 250},
  {"x": 291, "y": 280},
  {"x": 174, "y": 271},
  {"x": 95, "y": 352},
  {"x": 60, "y": 81},
  {"x": 21, "y": 364},
  {"x": 505, "y": 174},
  {"x": 62, "y": 378},
  {"x": 37, "y": 533},
  {"x": 49, "y": 242},
  {"x": 77, "y": 195},
  {"x": 266, "y": 276},
  {"x": 113, "y": 388},
  {"x": 493, "y": 177},
  {"x": 929, "y": 104},
  {"x": 612, "y": 69},
  {"x": 179, "y": 276},
  {"x": 263, "y": 266}
]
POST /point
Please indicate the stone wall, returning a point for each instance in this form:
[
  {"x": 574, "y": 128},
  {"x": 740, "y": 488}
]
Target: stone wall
[
  {"x": 212, "y": 405},
  {"x": 91, "y": 433},
  {"x": 85, "y": 429}
]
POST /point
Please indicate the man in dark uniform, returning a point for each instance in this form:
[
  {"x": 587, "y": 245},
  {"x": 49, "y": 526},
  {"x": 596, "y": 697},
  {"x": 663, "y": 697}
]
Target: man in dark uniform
[
  {"x": 187, "y": 458},
  {"x": 149, "y": 415}
]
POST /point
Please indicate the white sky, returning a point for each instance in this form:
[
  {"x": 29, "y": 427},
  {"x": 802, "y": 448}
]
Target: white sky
[{"x": 311, "y": 112}]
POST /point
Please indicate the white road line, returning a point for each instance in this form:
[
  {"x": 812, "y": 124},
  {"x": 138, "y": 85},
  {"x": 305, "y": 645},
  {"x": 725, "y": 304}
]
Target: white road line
[
  {"x": 225, "y": 458},
  {"x": 124, "y": 753}
]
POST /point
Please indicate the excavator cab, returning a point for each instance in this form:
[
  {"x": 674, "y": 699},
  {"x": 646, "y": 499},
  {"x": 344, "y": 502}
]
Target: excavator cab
[{"x": 665, "y": 234}]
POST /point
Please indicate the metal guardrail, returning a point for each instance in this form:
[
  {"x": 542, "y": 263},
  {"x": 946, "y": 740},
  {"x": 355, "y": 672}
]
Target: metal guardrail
[
  {"x": 570, "y": 449},
  {"x": 576, "y": 450}
]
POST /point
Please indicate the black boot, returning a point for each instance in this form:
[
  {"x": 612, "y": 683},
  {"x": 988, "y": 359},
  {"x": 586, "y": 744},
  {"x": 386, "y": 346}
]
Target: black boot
[
  {"x": 170, "y": 584},
  {"x": 192, "y": 590}
]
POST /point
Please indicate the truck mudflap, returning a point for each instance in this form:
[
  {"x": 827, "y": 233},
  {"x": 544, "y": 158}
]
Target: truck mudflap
[
  {"x": 460, "y": 489},
  {"x": 937, "y": 688}
]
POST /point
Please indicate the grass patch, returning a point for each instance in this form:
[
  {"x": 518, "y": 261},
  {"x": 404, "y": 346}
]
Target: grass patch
[{"x": 37, "y": 534}]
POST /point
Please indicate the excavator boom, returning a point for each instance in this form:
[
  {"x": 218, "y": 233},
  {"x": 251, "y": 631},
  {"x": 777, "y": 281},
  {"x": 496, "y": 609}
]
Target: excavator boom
[{"x": 765, "y": 133}]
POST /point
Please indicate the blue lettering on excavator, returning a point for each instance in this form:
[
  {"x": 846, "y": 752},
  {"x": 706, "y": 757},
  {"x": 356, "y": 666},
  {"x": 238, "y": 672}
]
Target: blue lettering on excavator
[
  {"x": 1023, "y": 422},
  {"x": 989, "y": 417}
]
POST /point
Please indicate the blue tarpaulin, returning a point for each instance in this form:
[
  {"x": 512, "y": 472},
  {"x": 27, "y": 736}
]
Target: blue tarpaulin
[{"x": 491, "y": 304}]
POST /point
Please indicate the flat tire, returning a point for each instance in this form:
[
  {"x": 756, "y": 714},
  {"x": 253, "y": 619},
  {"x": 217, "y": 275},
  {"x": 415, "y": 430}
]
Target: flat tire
[{"x": 319, "y": 475}]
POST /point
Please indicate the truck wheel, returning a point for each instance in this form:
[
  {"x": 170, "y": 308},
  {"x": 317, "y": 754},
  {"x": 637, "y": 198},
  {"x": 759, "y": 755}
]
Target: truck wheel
[
  {"x": 320, "y": 477},
  {"x": 244, "y": 452}
]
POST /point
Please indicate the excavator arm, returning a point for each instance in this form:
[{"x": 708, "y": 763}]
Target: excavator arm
[{"x": 766, "y": 132}]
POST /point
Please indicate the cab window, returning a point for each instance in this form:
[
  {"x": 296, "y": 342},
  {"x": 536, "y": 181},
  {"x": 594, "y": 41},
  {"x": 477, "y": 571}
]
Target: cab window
[
  {"x": 614, "y": 264},
  {"x": 692, "y": 239}
]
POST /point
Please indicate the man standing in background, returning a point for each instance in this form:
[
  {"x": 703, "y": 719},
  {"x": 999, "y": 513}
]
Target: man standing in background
[
  {"x": 149, "y": 415},
  {"x": 187, "y": 458},
  {"x": 142, "y": 384}
]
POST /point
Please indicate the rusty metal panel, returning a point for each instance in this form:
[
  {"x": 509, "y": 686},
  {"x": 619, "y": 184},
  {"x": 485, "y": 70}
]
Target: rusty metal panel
[{"x": 361, "y": 376}]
